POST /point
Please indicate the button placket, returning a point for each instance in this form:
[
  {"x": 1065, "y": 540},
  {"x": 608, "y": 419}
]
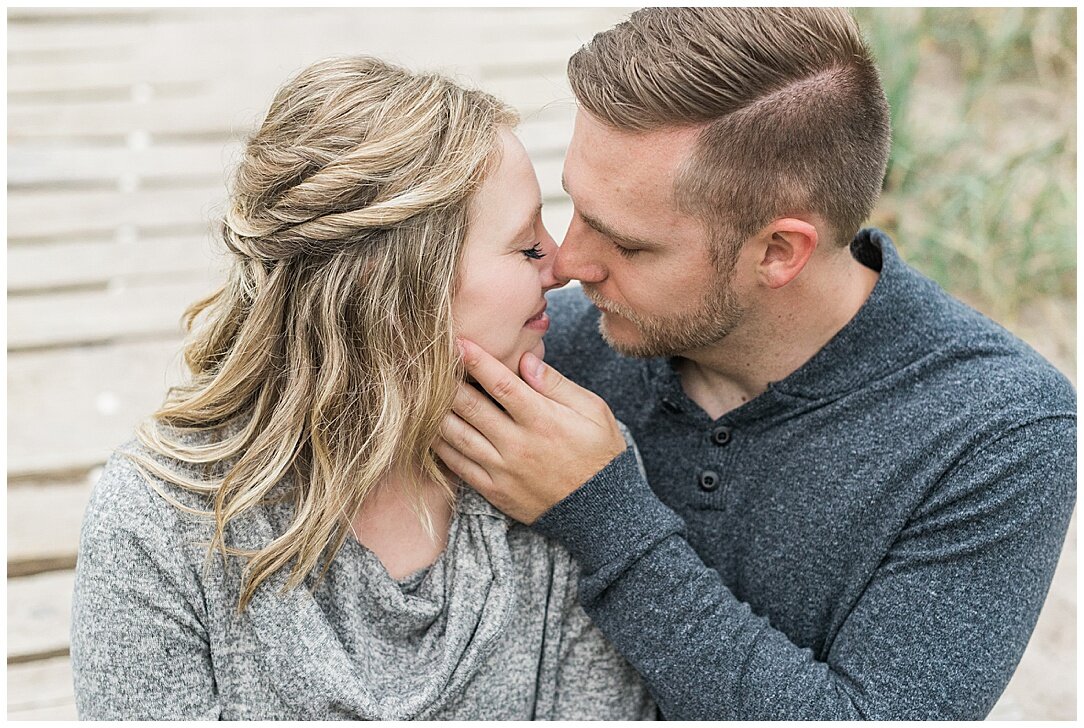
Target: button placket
[{"x": 714, "y": 475}]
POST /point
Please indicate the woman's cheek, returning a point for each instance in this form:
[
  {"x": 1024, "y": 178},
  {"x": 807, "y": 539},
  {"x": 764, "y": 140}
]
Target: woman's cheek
[{"x": 496, "y": 340}]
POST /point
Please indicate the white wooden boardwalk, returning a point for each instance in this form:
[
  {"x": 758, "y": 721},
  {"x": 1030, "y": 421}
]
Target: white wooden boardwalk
[{"x": 122, "y": 125}]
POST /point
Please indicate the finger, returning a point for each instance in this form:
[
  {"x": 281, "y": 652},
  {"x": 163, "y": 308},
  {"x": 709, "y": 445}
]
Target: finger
[
  {"x": 519, "y": 400},
  {"x": 549, "y": 382},
  {"x": 468, "y": 441},
  {"x": 466, "y": 469},
  {"x": 480, "y": 412}
]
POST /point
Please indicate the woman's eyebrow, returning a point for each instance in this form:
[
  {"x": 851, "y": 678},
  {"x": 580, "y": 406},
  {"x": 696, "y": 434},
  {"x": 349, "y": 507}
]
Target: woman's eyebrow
[{"x": 528, "y": 226}]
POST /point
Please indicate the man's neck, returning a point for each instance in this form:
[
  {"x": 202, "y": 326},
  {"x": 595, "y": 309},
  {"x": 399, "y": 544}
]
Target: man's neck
[{"x": 771, "y": 344}]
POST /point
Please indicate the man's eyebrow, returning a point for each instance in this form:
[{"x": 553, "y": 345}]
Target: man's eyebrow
[{"x": 604, "y": 229}]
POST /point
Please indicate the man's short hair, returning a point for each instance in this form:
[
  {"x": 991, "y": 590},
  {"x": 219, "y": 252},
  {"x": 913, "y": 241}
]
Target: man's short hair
[{"x": 794, "y": 115}]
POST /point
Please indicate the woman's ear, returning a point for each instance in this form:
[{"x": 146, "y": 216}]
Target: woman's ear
[{"x": 788, "y": 244}]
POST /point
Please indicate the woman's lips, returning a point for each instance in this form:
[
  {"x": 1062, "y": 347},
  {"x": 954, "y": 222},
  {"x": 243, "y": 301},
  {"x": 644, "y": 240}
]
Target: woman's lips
[{"x": 539, "y": 322}]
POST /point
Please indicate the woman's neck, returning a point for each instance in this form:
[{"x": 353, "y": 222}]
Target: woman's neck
[{"x": 389, "y": 526}]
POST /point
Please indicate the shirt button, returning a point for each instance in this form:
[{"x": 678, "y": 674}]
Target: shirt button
[
  {"x": 708, "y": 480},
  {"x": 670, "y": 405},
  {"x": 721, "y": 435}
]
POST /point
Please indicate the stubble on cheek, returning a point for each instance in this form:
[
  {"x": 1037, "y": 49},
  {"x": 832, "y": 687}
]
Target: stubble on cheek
[{"x": 715, "y": 315}]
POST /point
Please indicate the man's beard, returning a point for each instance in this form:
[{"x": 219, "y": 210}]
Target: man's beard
[{"x": 714, "y": 317}]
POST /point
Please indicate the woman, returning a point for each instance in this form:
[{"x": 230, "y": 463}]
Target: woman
[{"x": 280, "y": 542}]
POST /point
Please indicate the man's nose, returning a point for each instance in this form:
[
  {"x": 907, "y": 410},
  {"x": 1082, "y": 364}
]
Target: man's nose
[{"x": 576, "y": 258}]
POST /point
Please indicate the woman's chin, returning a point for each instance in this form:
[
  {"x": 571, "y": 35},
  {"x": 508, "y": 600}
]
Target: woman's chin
[{"x": 513, "y": 360}]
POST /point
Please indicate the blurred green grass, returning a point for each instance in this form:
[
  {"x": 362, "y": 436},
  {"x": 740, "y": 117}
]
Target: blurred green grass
[{"x": 981, "y": 187}]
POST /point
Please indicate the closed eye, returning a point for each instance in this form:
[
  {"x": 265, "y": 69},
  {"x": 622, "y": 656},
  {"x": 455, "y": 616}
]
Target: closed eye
[{"x": 534, "y": 252}]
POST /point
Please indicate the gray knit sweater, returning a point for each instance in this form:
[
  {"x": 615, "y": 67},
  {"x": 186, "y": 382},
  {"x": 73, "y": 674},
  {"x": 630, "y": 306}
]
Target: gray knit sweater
[
  {"x": 491, "y": 631},
  {"x": 872, "y": 537}
]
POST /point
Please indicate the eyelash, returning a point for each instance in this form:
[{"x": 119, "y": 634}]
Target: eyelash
[
  {"x": 535, "y": 252},
  {"x": 626, "y": 252}
]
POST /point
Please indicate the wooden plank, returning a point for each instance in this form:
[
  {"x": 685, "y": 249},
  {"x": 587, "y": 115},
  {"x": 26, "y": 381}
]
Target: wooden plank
[
  {"x": 172, "y": 116},
  {"x": 56, "y": 16},
  {"x": 121, "y": 312},
  {"x": 157, "y": 64},
  {"x": 39, "y": 37},
  {"x": 43, "y": 525},
  {"x": 546, "y": 133},
  {"x": 50, "y": 213},
  {"x": 39, "y": 615},
  {"x": 337, "y": 32},
  {"x": 59, "y": 265},
  {"x": 555, "y": 20},
  {"x": 69, "y": 409},
  {"x": 532, "y": 92},
  {"x": 207, "y": 163},
  {"x": 560, "y": 16},
  {"x": 53, "y": 712},
  {"x": 215, "y": 114},
  {"x": 466, "y": 35},
  {"x": 66, "y": 75},
  {"x": 41, "y": 690}
]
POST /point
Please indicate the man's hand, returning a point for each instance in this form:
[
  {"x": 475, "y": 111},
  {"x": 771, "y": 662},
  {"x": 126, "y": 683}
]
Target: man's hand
[{"x": 544, "y": 445}]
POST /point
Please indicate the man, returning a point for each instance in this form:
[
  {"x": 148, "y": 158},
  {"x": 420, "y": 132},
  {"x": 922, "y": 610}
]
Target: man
[{"x": 859, "y": 487}]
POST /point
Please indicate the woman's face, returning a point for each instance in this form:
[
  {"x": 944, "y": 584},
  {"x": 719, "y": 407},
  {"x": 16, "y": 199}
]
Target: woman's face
[{"x": 507, "y": 262}]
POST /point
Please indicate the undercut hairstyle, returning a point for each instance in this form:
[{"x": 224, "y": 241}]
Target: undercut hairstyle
[
  {"x": 793, "y": 113},
  {"x": 328, "y": 358}
]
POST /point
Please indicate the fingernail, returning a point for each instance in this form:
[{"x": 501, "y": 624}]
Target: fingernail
[{"x": 533, "y": 364}]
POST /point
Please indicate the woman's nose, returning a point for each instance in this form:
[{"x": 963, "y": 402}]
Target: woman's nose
[{"x": 549, "y": 279}]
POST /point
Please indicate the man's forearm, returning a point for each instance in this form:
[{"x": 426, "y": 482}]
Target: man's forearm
[{"x": 671, "y": 616}]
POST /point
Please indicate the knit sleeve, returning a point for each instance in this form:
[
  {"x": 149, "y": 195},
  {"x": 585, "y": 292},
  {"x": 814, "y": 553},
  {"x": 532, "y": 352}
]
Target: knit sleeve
[
  {"x": 140, "y": 647},
  {"x": 613, "y": 519},
  {"x": 936, "y": 633}
]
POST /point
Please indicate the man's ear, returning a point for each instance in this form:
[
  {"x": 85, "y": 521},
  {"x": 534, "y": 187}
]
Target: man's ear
[{"x": 788, "y": 244}]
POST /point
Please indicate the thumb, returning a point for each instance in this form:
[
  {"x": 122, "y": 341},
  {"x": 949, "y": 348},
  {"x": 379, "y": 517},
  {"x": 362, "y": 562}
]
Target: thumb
[{"x": 550, "y": 383}]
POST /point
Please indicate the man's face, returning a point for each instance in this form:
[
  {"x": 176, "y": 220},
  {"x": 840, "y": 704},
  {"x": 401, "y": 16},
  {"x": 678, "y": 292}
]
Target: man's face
[{"x": 646, "y": 265}]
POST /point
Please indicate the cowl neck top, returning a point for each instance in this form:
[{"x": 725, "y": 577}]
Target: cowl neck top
[{"x": 393, "y": 649}]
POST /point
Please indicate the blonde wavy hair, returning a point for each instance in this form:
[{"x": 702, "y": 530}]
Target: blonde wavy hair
[{"x": 328, "y": 357}]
